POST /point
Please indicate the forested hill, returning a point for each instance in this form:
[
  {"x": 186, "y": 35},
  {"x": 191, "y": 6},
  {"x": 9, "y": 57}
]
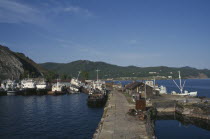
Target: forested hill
[{"x": 88, "y": 68}]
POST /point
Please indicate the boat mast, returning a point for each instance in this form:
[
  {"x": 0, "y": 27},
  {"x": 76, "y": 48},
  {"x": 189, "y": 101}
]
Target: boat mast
[
  {"x": 97, "y": 74},
  {"x": 180, "y": 81},
  {"x": 57, "y": 83},
  {"x": 145, "y": 87},
  {"x": 78, "y": 75},
  {"x": 154, "y": 82}
]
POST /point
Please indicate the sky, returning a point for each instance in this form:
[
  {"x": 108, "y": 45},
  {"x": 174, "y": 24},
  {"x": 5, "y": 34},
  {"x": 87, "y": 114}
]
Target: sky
[{"x": 143, "y": 33}]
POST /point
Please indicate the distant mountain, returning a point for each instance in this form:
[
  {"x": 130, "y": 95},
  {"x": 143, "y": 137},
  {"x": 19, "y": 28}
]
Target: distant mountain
[
  {"x": 114, "y": 71},
  {"x": 17, "y": 65}
]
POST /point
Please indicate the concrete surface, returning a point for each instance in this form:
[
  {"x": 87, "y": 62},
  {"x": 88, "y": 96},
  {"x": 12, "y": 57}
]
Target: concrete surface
[{"x": 117, "y": 124}]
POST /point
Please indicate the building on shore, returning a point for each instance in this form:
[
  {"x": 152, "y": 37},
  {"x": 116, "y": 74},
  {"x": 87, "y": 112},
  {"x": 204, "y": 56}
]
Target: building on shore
[{"x": 139, "y": 88}]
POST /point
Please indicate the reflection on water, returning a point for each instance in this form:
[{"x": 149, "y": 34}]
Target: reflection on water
[
  {"x": 175, "y": 126},
  {"x": 47, "y": 116}
]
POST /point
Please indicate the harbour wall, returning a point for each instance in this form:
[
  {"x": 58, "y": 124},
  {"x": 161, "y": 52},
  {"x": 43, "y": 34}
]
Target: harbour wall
[{"x": 192, "y": 109}]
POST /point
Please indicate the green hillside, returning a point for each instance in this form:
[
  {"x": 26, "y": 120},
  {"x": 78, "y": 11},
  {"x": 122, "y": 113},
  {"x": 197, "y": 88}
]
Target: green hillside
[{"x": 114, "y": 71}]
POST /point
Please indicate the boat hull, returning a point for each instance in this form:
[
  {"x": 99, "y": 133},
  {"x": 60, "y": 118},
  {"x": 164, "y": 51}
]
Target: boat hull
[
  {"x": 192, "y": 94},
  {"x": 29, "y": 91},
  {"x": 41, "y": 91},
  {"x": 95, "y": 100},
  {"x": 56, "y": 93},
  {"x": 3, "y": 93},
  {"x": 11, "y": 93}
]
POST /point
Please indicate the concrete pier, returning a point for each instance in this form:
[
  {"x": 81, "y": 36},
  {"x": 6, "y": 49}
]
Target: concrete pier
[{"x": 117, "y": 124}]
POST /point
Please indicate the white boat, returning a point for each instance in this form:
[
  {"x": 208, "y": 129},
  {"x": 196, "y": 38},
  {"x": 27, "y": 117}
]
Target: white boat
[
  {"x": 41, "y": 87},
  {"x": 58, "y": 88},
  {"x": 75, "y": 85},
  {"x": 98, "y": 86},
  {"x": 11, "y": 87},
  {"x": 73, "y": 89},
  {"x": 181, "y": 88},
  {"x": 28, "y": 84}
]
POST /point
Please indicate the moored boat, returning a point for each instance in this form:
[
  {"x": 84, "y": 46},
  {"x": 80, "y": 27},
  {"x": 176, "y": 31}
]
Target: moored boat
[
  {"x": 41, "y": 87},
  {"x": 75, "y": 85},
  {"x": 28, "y": 86},
  {"x": 12, "y": 92},
  {"x": 181, "y": 88},
  {"x": 57, "y": 89},
  {"x": 97, "y": 99},
  {"x": 11, "y": 87},
  {"x": 98, "y": 94}
]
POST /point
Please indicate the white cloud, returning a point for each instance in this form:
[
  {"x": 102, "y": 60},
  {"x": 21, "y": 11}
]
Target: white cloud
[
  {"x": 16, "y": 12},
  {"x": 78, "y": 10}
]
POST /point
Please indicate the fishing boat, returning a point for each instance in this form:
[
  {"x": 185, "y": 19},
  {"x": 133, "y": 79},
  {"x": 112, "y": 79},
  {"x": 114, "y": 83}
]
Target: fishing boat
[
  {"x": 181, "y": 88},
  {"x": 97, "y": 99},
  {"x": 98, "y": 96},
  {"x": 41, "y": 87},
  {"x": 57, "y": 89},
  {"x": 11, "y": 87},
  {"x": 12, "y": 91},
  {"x": 75, "y": 85},
  {"x": 28, "y": 86}
]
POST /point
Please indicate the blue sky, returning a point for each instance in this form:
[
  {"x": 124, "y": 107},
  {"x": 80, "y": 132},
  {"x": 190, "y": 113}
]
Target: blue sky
[{"x": 124, "y": 32}]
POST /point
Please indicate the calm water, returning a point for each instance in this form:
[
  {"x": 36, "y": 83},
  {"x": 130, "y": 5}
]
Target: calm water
[
  {"x": 65, "y": 116},
  {"x": 173, "y": 129}
]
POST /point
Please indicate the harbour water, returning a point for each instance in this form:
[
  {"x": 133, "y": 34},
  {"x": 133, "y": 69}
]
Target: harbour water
[
  {"x": 174, "y": 129},
  {"x": 65, "y": 116}
]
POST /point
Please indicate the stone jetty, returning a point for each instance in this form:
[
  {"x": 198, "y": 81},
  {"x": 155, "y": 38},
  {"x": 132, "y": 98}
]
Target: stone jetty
[{"x": 116, "y": 123}]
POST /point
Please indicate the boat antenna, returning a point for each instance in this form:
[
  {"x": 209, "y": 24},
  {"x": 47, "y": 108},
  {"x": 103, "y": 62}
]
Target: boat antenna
[{"x": 97, "y": 73}]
